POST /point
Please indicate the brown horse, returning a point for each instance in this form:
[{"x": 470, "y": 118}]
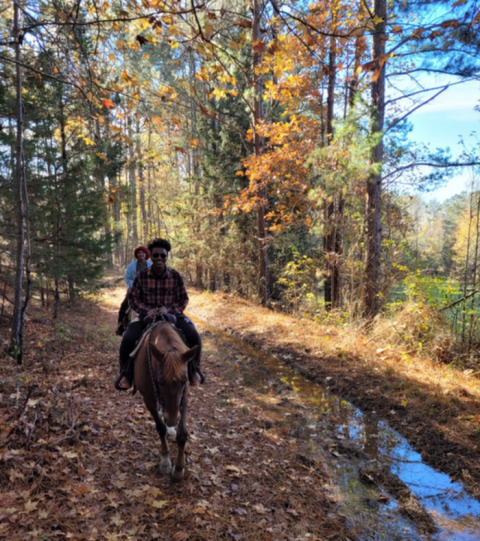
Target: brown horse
[{"x": 161, "y": 376}]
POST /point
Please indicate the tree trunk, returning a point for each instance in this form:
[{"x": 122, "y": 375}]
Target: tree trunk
[
  {"x": 3, "y": 299},
  {"x": 331, "y": 240},
  {"x": 141, "y": 186},
  {"x": 374, "y": 183},
  {"x": 56, "y": 298},
  {"x": 360, "y": 48},
  {"x": 109, "y": 188},
  {"x": 258, "y": 148},
  {"x": 212, "y": 280},
  {"x": 116, "y": 218},
  {"x": 151, "y": 222},
  {"x": 16, "y": 340},
  {"x": 71, "y": 291},
  {"x": 132, "y": 211}
]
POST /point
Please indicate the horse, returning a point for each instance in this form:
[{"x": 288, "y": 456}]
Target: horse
[{"x": 161, "y": 376}]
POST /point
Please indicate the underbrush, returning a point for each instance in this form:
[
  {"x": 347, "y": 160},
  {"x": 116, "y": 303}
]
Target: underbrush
[
  {"x": 429, "y": 316},
  {"x": 417, "y": 328}
]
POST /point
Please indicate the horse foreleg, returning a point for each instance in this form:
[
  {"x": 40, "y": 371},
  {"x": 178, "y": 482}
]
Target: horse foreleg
[
  {"x": 178, "y": 471},
  {"x": 165, "y": 463}
]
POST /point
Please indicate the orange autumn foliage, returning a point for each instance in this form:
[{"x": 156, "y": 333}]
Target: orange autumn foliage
[{"x": 281, "y": 177}]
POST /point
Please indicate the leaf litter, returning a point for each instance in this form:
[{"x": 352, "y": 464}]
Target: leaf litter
[{"x": 79, "y": 460}]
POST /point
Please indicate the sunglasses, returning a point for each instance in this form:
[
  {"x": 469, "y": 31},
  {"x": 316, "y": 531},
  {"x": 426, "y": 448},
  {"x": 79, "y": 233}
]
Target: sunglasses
[{"x": 163, "y": 256}]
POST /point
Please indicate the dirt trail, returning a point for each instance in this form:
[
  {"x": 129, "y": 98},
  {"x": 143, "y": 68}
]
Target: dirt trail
[{"x": 79, "y": 460}]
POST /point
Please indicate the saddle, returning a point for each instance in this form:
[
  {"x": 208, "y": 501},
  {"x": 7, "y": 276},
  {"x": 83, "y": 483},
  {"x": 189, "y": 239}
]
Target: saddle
[{"x": 171, "y": 319}]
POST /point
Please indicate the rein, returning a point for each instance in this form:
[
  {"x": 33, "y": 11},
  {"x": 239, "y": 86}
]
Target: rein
[{"x": 156, "y": 390}]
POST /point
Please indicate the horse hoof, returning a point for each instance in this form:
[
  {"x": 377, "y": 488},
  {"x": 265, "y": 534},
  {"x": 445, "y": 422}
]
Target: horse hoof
[
  {"x": 177, "y": 475},
  {"x": 171, "y": 433},
  {"x": 165, "y": 466}
]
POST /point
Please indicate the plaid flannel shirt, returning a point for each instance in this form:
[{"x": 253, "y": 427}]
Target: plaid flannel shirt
[{"x": 151, "y": 291}]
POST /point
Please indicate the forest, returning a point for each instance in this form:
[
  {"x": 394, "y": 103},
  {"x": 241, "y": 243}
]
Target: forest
[
  {"x": 271, "y": 143},
  {"x": 278, "y": 132}
]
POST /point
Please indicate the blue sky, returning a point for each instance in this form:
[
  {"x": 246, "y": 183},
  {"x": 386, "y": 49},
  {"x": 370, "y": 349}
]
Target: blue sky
[{"x": 442, "y": 122}]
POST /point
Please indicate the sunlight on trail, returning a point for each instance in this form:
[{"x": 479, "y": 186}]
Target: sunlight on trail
[{"x": 346, "y": 343}]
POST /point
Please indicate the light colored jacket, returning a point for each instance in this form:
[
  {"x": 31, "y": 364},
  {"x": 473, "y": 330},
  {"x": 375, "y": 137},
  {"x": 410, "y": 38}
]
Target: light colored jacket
[{"x": 131, "y": 272}]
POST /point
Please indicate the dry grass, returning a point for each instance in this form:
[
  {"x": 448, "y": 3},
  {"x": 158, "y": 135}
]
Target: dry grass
[{"x": 379, "y": 349}]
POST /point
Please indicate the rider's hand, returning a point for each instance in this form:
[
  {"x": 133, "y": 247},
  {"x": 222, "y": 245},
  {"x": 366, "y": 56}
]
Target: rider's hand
[{"x": 152, "y": 313}]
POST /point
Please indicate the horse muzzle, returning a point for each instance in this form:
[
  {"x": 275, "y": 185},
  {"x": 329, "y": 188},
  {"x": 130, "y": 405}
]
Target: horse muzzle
[{"x": 171, "y": 420}]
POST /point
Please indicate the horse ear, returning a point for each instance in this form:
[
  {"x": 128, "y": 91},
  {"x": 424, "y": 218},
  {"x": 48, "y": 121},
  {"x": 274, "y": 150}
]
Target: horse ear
[{"x": 189, "y": 355}]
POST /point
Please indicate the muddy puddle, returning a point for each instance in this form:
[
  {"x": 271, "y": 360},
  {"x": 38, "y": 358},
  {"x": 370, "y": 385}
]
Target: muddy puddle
[{"x": 383, "y": 487}]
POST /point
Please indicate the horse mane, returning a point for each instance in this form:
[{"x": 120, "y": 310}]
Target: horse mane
[{"x": 173, "y": 366}]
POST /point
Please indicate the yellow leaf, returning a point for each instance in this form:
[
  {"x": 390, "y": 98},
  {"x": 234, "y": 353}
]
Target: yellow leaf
[
  {"x": 30, "y": 506},
  {"x": 125, "y": 76},
  {"x": 72, "y": 454},
  {"x": 159, "y": 504},
  {"x": 89, "y": 142},
  {"x": 219, "y": 93},
  {"x": 117, "y": 521},
  {"x": 168, "y": 513}
]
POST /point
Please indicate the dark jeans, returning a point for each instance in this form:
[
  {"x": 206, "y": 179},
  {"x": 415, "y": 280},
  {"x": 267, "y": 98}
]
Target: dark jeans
[
  {"x": 135, "y": 329},
  {"x": 123, "y": 309}
]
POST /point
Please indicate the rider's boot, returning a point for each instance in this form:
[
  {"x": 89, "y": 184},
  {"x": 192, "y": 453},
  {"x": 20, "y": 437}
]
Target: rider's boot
[
  {"x": 124, "y": 381},
  {"x": 195, "y": 375}
]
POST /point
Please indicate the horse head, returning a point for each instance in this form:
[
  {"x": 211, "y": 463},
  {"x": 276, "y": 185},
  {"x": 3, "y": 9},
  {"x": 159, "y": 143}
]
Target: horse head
[{"x": 172, "y": 378}]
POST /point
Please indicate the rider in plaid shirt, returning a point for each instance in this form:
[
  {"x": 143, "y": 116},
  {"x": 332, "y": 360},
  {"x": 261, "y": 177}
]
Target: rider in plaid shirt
[
  {"x": 150, "y": 290},
  {"x": 158, "y": 290}
]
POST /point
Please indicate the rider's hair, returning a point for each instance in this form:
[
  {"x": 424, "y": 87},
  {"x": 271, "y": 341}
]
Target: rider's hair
[{"x": 159, "y": 243}]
